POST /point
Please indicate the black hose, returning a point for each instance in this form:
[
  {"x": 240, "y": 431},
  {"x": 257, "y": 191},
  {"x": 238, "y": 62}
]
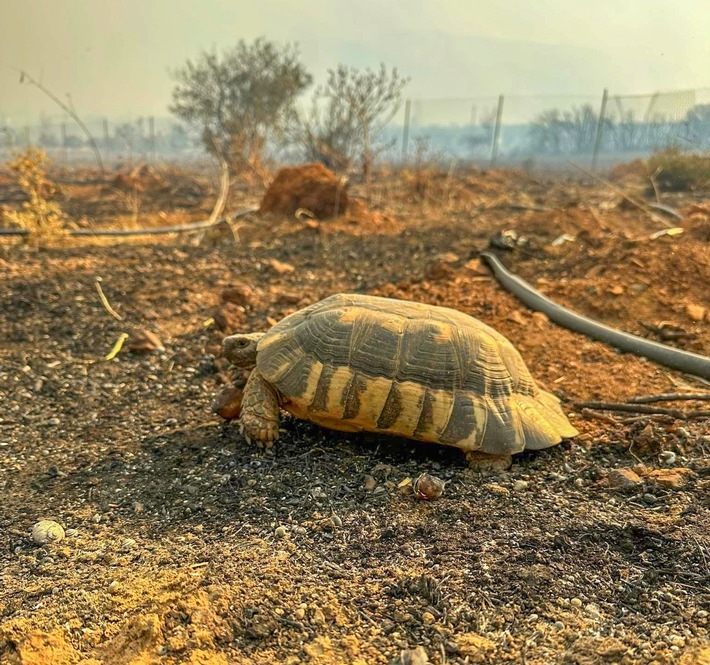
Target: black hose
[
  {"x": 684, "y": 361},
  {"x": 158, "y": 230}
]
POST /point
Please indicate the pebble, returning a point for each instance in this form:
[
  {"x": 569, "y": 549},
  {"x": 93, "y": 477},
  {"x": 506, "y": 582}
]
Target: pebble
[
  {"x": 280, "y": 531},
  {"x": 336, "y": 521},
  {"x": 428, "y": 617},
  {"x": 520, "y": 485},
  {"x": 47, "y": 531},
  {"x": 53, "y": 422},
  {"x": 369, "y": 483},
  {"x": 576, "y": 602},
  {"x": 559, "y": 625},
  {"x": 128, "y": 544},
  {"x": 650, "y": 499},
  {"x": 114, "y": 587},
  {"x": 534, "y": 617}
]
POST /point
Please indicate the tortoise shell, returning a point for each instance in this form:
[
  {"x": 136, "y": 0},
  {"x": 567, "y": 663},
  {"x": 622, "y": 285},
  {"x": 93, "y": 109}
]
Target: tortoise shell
[{"x": 358, "y": 362}]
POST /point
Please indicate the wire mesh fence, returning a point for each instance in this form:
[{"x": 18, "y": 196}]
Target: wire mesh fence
[{"x": 508, "y": 130}]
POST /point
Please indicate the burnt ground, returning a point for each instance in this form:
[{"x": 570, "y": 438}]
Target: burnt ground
[{"x": 175, "y": 550}]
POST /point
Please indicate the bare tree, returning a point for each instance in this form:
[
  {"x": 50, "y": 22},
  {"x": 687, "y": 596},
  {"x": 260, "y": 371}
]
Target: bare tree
[
  {"x": 367, "y": 100},
  {"x": 237, "y": 100},
  {"x": 328, "y": 132},
  {"x": 571, "y": 131}
]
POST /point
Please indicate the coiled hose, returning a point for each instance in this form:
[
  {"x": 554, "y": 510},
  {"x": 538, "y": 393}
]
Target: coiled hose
[{"x": 683, "y": 361}]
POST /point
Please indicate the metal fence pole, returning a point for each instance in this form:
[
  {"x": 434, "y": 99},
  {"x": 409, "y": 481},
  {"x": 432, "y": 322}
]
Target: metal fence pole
[
  {"x": 496, "y": 131},
  {"x": 405, "y": 131},
  {"x": 600, "y": 128}
]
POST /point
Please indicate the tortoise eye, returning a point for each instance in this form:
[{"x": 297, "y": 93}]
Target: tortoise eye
[{"x": 242, "y": 343}]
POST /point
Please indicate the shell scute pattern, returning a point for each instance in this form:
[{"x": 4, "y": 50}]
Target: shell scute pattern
[{"x": 360, "y": 362}]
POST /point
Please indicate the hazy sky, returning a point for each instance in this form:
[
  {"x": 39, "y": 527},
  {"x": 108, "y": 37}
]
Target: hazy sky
[{"x": 114, "y": 56}]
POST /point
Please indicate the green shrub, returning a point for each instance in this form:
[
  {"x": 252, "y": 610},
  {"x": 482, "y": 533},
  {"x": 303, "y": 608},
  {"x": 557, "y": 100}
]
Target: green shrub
[{"x": 677, "y": 171}]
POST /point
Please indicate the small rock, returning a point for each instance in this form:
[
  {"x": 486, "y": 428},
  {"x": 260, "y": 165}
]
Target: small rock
[
  {"x": 53, "y": 422},
  {"x": 239, "y": 294},
  {"x": 47, "y": 531},
  {"x": 369, "y": 483},
  {"x": 650, "y": 499},
  {"x": 415, "y": 656},
  {"x": 145, "y": 341},
  {"x": 138, "y": 507},
  {"x": 128, "y": 544},
  {"x": 497, "y": 489},
  {"x": 559, "y": 625},
  {"x": 593, "y": 611},
  {"x": 616, "y": 290},
  {"x": 114, "y": 587},
  {"x": 539, "y": 319},
  {"x": 336, "y": 521},
  {"x": 318, "y": 617},
  {"x": 623, "y": 479},
  {"x": 451, "y": 647},
  {"x": 516, "y": 316},
  {"x": 475, "y": 267},
  {"x": 439, "y": 270},
  {"x": 428, "y": 617},
  {"x": 670, "y": 478},
  {"x": 520, "y": 485},
  {"x": 695, "y": 312},
  {"x": 576, "y": 602},
  {"x": 228, "y": 403},
  {"x": 279, "y": 267},
  {"x": 280, "y": 531}
]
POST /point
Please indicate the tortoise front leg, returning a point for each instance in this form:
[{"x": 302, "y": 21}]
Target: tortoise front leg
[{"x": 260, "y": 411}]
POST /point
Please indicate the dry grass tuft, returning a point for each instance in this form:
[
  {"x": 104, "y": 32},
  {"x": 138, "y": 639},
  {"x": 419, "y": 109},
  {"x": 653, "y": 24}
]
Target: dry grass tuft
[{"x": 42, "y": 217}]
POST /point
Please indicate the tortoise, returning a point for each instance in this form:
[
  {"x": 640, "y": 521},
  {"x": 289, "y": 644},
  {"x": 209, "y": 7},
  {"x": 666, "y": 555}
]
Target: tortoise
[{"x": 357, "y": 362}]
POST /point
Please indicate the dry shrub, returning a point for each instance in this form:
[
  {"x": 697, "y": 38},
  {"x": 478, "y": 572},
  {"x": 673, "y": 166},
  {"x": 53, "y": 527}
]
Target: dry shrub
[
  {"x": 42, "y": 217},
  {"x": 680, "y": 171}
]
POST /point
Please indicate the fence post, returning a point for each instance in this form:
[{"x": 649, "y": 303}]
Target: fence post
[
  {"x": 405, "y": 131},
  {"x": 496, "y": 131},
  {"x": 107, "y": 141},
  {"x": 64, "y": 143},
  {"x": 600, "y": 128}
]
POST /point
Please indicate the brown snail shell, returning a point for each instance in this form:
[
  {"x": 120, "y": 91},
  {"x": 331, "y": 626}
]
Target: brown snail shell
[{"x": 428, "y": 487}]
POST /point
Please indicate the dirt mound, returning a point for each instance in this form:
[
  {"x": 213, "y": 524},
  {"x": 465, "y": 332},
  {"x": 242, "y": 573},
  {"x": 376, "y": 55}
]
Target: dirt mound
[{"x": 311, "y": 186}]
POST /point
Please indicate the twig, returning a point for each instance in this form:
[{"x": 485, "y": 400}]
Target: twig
[
  {"x": 670, "y": 397},
  {"x": 105, "y": 302},
  {"x": 622, "y": 193},
  {"x": 24, "y": 75},
  {"x": 652, "y": 178},
  {"x": 640, "y": 408}
]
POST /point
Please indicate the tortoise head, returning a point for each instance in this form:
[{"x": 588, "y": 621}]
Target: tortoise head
[{"x": 240, "y": 349}]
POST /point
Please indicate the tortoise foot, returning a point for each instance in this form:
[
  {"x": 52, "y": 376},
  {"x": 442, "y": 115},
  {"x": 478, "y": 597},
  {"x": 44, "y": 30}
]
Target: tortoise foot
[{"x": 487, "y": 463}]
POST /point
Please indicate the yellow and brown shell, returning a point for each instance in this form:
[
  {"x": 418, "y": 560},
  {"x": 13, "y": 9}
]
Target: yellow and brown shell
[{"x": 357, "y": 362}]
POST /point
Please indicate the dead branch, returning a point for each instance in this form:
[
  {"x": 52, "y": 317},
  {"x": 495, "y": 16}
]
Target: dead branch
[
  {"x": 641, "y": 408},
  {"x": 105, "y": 302},
  {"x": 639, "y": 204},
  {"x": 670, "y": 397},
  {"x": 24, "y": 75}
]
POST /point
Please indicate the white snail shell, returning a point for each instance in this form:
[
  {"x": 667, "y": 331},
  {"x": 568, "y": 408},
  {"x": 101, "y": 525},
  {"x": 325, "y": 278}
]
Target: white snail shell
[{"x": 47, "y": 531}]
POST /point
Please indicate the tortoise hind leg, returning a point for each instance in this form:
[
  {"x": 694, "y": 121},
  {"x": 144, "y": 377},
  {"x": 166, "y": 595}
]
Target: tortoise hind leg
[{"x": 260, "y": 411}]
